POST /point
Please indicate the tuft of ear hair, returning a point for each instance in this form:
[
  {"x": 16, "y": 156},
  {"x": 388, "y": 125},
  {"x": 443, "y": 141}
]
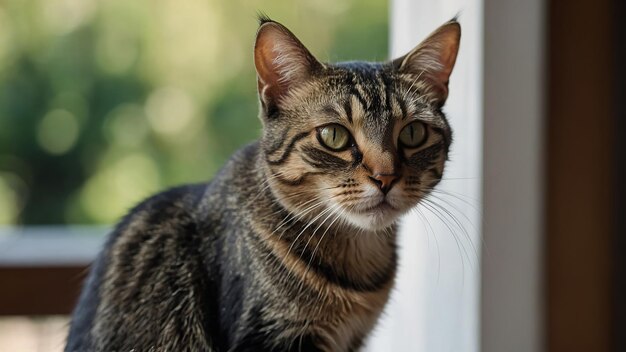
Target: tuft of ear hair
[
  {"x": 282, "y": 62},
  {"x": 433, "y": 59},
  {"x": 262, "y": 17}
]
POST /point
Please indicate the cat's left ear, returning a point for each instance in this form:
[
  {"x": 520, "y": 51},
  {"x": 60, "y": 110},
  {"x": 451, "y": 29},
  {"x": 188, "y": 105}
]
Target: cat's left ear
[
  {"x": 282, "y": 62},
  {"x": 433, "y": 59}
]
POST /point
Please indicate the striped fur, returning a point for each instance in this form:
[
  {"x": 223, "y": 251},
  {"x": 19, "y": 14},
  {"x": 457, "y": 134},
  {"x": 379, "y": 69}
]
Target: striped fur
[{"x": 288, "y": 248}]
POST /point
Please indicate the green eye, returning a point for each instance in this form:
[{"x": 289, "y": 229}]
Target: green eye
[
  {"x": 413, "y": 134},
  {"x": 334, "y": 136}
]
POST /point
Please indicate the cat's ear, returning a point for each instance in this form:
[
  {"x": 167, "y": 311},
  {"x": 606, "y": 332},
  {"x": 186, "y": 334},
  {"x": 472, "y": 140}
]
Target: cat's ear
[
  {"x": 434, "y": 58},
  {"x": 282, "y": 62}
]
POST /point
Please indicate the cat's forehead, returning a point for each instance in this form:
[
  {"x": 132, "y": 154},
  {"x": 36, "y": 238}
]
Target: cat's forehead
[
  {"x": 366, "y": 95},
  {"x": 375, "y": 94},
  {"x": 362, "y": 75}
]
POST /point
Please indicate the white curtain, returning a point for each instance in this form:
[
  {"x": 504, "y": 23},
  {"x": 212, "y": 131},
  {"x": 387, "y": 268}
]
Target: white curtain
[{"x": 435, "y": 304}]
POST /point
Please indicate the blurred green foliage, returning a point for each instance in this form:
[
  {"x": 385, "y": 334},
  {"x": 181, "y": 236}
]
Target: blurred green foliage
[{"x": 103, "y": 102}]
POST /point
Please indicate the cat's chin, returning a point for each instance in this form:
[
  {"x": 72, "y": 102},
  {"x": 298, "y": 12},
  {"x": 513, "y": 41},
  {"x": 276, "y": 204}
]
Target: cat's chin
[{"x": 378, "y": 218}]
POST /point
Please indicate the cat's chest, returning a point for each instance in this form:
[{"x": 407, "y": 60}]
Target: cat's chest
[
  {"x": 354, "y": 319},
  {"x": 338, "y": 318}
]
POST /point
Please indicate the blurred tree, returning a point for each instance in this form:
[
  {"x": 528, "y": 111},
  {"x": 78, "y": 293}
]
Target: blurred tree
[{"x": 103, "y": 102}]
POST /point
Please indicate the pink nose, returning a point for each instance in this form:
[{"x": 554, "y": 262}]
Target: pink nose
[{"x": 384, "y": 181}]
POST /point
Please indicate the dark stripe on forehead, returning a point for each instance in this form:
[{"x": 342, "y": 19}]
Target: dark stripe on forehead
[
  {"x": 402, "y": 105},
  {"x": 389, "y": 88},
  {"x": 370, "y": 84},
  {"x": 378, "y": 88},
  {"x": 352, "y": 81},
  {"x": 347, "y": 106},
  {"x": 288, "y": 150}
]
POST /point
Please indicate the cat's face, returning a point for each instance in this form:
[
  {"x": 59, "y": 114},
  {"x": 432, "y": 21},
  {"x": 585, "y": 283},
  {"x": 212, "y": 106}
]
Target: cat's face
[{"x": 357, "y": 143}]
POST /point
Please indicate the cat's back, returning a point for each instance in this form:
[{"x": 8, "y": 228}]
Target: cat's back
[
  {"x": 155, "y": 282},
  {"x": 146, "y": 279}
]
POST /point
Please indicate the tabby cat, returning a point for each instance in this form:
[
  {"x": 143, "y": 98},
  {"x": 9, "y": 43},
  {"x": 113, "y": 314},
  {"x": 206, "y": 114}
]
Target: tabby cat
[{"x": 292, "y": 246}]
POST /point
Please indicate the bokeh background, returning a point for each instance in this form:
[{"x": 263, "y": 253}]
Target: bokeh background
[{"x": 104, "y": 102}]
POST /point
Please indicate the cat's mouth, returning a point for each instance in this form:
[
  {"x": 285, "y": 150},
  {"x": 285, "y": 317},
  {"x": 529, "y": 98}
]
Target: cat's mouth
[
  {"x": 382, "y": 206},
  {"x": 374, "y": 215}
]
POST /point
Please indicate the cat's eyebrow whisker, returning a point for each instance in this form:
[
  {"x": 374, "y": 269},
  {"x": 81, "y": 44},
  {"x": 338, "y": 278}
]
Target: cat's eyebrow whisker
[
  {"x": 408, "y": 91},
  {"x": 409, "y": 94}
]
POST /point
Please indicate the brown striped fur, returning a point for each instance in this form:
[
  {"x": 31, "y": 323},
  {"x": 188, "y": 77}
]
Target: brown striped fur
[{"x": 291, "y": 247}]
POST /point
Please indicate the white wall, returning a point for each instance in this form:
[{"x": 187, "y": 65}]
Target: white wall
[{"x": 435, "y": 305}]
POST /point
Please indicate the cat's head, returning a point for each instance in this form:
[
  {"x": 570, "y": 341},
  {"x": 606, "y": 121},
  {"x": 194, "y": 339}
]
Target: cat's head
[{"x": 355, "y": 142}]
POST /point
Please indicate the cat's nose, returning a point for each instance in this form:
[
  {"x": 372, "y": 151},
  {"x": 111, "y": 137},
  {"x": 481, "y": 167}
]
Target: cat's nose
[{"x": 384, "y": 181}]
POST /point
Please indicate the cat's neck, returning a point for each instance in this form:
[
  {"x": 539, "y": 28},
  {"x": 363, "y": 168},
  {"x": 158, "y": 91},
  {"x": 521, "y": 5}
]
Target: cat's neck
[{"x": 358, "y": 255}]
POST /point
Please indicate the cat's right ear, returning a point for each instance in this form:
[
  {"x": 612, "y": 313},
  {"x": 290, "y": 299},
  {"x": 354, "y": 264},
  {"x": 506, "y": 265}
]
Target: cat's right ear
[
  {"x": 282, "y": 62},
  {"x": 433, "y": 60}
]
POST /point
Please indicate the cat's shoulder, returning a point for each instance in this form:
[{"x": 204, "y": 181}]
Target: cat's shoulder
[
  {"x": 175, "y": 202},
  {"x": 171, "y": 211}
]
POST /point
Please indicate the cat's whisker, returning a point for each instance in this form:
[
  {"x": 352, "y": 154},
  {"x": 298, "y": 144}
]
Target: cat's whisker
[
  {"x": 300, "y": 215},
  {"x": 338, "y": 216},
  {"x": 460, "y": 196},
  {"x": 322, "y": 213},
  {"x": 299, "y": 195},
  {"x": 266, "y": 184},
  {"x": 460, "y": 244},
  {"x": 308, "y": 266},
  {"x": 432, "y": 231},
  {"x": 454, "y": 207},
  {"x": 291, "y": 269},
  {"x": 445, "y": 212},
  {"x": 456, "y": 240}
]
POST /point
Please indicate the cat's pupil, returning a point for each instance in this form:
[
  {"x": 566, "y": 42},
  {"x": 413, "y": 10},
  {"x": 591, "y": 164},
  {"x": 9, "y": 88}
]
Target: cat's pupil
[
  {"x": 334, "y": 133},
  {"x": 412, "y": 132}
]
